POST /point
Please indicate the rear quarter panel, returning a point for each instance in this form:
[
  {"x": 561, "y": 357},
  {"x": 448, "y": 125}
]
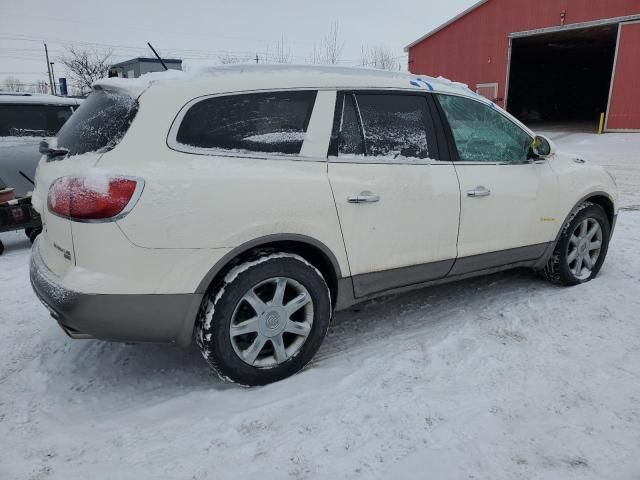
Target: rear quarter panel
[{"x": 193, "y": 201}]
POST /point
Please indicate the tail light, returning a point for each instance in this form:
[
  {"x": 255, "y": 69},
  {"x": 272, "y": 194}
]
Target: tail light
[{"x": 93, "y": 197}]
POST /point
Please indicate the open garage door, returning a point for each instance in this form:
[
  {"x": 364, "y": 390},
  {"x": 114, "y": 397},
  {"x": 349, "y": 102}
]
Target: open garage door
[
  {"x": 624, "y": 107},
  {"x": 563, "y": 77}
]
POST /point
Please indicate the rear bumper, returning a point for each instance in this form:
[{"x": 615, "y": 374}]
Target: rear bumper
[{"x": 129, "y": 318}]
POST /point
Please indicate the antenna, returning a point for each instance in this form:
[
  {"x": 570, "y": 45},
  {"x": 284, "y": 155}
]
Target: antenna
[{"x": 157, "y": 56}]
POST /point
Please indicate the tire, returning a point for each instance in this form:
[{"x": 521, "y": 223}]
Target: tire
[
  {"x": 563, "y": 267},
  {"x": 248, "y": 301},
  {"x": 1, "y": 248},
  {"x": 33, "y": 234}
]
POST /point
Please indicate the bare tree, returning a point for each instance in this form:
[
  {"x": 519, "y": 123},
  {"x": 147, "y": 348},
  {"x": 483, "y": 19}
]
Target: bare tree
[
  {"x": 86, "y": 66},
  {"x": 41, "y": 86},
  {"x": 13, "y": 84},
  {"x": 228, "y": 59},
  {"x": 282, "y": 54},
  {"x": 378, "y": 57},
  {"x": 330, "y": 48}
]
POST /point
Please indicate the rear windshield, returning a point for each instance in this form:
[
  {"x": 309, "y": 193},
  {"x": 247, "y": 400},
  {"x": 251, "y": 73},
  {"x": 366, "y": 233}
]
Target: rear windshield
[
  {"x": 99, "y": 124},
  {"x": 32, "y": 120}
]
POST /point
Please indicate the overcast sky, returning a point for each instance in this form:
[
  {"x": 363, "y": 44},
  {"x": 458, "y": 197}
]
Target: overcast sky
[{"x": 198, "y": 30}]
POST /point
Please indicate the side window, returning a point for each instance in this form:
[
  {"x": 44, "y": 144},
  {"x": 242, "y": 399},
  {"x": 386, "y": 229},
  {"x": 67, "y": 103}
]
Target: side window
[
  {"x": 272, "y": 122},
  {"x": 396, "y": 126},
  {"x": 32, "y": 120},
  {"x": 483, "y": 134},
  {"x": 59, "y": 116}
]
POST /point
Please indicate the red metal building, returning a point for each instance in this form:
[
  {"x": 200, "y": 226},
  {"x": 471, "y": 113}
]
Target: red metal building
[{"x": 544, "y": 60}]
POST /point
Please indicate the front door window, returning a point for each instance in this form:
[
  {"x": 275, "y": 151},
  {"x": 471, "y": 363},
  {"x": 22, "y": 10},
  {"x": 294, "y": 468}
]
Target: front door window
[{"x": 483, "y": 134}]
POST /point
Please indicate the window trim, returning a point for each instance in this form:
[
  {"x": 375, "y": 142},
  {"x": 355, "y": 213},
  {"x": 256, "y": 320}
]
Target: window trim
[
  {"x": 333, "y": 154},
  {"x": 173, "y": 143},
  {"x": 453, "y": 148}
]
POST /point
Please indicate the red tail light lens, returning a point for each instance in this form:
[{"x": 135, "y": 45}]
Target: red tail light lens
[{"x": 92, "y": 197}]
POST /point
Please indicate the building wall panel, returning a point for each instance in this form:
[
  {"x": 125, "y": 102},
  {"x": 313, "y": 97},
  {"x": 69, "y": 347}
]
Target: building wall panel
[
  {"x": 475, "y": 48},
  {"x": 624, "y": 107}
]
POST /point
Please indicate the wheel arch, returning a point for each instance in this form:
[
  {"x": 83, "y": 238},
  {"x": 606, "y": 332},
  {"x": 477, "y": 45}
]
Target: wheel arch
[
  {"x": 603, "y": 199},
  {"x": 312, "y": 250}
]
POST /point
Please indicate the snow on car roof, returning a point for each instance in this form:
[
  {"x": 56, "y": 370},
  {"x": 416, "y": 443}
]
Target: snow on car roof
[
  {"x": 247, "y": 76},
  {"x": 36, "y": 98}
]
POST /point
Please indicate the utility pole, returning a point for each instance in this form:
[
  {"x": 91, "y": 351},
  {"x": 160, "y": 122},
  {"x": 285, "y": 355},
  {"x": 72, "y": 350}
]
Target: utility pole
[
  {"x": 53, "y": 78},
  {"x": 46, "y": 53}
]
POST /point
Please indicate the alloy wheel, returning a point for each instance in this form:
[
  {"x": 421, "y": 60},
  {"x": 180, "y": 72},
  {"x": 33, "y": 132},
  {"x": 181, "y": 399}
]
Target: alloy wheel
[
  {"x": 584, "y": 248},
  {"x": 271, "y": 322}
]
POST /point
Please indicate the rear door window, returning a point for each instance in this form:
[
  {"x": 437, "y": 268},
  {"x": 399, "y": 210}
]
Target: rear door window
[
  {"x": 388, "y": 127},
  {"x": 396, "y": 126},
  {"x": 270, "y": 122},
  {"x": 351, "y": 141},
  {"x": 32, "y": 120},
  {"x": 99, "y": 123}
]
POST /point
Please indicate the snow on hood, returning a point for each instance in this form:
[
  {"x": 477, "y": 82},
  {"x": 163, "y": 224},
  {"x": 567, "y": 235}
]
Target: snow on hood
[
  {"x": 14, "y": 141},
  {"x": 39, "y": 99}
]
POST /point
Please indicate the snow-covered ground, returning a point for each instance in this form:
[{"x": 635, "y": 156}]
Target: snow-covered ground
[{"x": 502, "y": 377}]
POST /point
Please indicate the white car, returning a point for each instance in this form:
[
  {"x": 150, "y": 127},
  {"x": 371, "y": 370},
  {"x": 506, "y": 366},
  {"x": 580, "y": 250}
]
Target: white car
[{"x": 243, "y": 205}]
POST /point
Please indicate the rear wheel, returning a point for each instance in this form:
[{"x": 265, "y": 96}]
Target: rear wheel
[
  {"x": 266, "y": 320},
  {"x": 32, "y": 233},
  {"x": 581, "y": 248}
]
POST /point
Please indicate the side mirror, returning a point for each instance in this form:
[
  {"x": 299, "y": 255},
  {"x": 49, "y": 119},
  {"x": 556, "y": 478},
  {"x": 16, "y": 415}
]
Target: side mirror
[{"x": 543, "y": 147}]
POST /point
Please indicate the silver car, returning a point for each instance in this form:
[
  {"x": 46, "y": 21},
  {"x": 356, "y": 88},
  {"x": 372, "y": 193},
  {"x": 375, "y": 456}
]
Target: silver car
[{"x": 25, "y": 119}]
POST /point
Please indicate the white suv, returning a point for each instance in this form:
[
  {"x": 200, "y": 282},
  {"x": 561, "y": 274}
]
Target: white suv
[{"x": 243, "y": 205}]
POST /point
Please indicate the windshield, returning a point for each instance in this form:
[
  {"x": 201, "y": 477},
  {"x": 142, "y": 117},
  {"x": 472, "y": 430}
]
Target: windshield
[
  {"x": 32, "y": 120},
  {"x": 99, "y": 124}
]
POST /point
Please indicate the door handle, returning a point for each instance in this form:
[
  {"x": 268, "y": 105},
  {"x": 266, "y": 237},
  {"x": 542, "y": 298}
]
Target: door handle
[
  {"x": 364, "y": 197},
  {"x": 479, "y": 191}
]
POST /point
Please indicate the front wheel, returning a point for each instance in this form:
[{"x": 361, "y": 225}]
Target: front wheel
[
  {"x": 581, "y": 248},
  {"x": 266, "y": 320}
]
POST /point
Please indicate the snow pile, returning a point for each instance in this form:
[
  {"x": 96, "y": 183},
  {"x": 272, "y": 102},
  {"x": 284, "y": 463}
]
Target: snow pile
[{"x": 500, "y": 377}]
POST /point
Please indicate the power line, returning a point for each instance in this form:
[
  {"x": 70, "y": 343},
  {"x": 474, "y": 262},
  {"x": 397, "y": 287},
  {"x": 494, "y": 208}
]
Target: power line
[
  {"x": 161, "y": 30},
  {"x": 185, "y": 54}
]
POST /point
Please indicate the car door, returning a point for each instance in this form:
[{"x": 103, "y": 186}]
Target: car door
[
  {"x": 398, "y": 204},
  {"x": 509, "y": 208}
]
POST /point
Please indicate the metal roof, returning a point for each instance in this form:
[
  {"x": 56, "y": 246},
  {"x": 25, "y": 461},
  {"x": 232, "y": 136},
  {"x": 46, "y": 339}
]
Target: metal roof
[
  {"x": 146, "y": 60},
  {"x": 446, "y": 24}
]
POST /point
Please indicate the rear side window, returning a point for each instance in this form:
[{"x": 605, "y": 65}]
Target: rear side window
[
  {"x": 272, "y": 122},
  {"x": 99, "y": 124},
  {"x": 32, "y": 120}
]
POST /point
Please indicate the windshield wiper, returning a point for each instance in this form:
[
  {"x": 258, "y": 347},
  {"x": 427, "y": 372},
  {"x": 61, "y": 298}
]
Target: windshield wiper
[{"x": 51, "y": 152}]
